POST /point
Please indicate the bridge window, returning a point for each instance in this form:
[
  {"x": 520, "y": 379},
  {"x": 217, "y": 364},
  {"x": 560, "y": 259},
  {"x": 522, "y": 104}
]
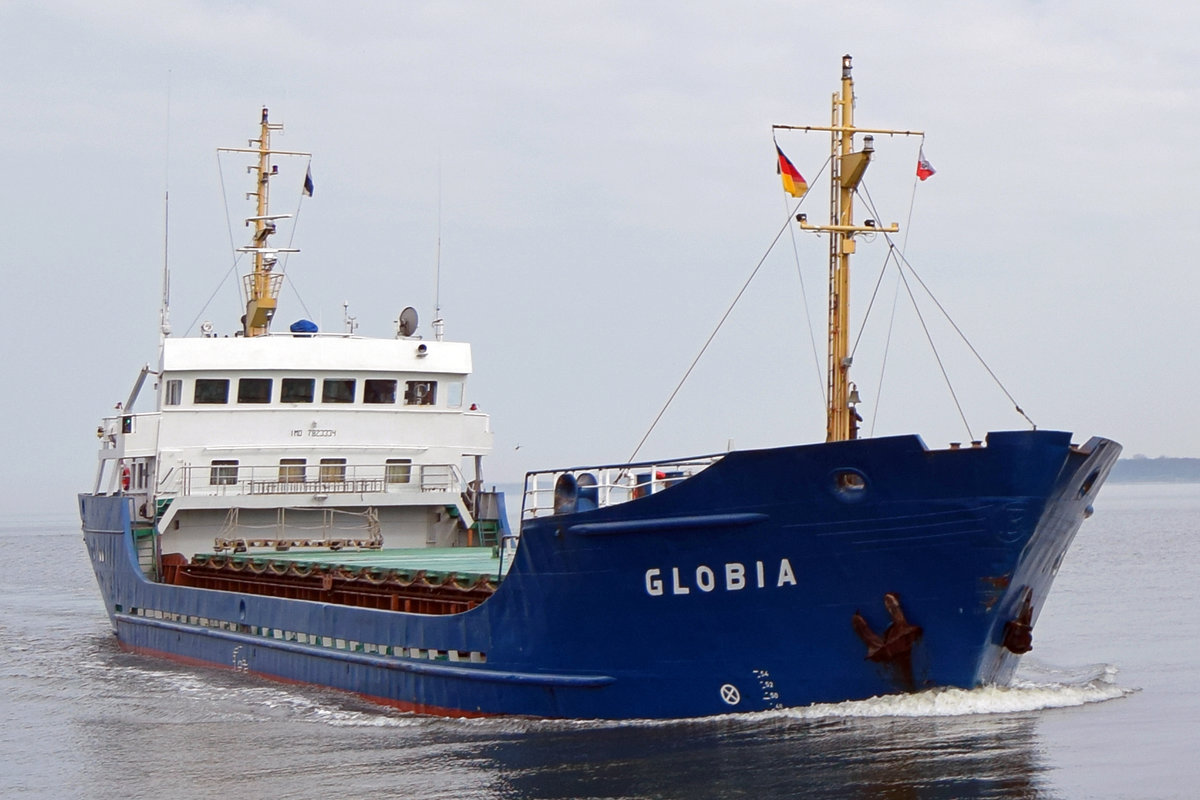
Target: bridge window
[
  {"x": 333, "y": 470},
  {"x": 223, "y": 473},
  {"x": 254, "y": 390},
  {"x": 379, "y": 391},
  {"x": 291, "y": 470},
  {"x": 173, "y": 395},
  {"x": 454, "y": 394},
  {"x": 420, "y": 393},
  {"x": 211, "y": 391},
  {"x": 297, "y": 390},
  {"x": 399, "y": 470},
  {"x": 337, "y": 390}
]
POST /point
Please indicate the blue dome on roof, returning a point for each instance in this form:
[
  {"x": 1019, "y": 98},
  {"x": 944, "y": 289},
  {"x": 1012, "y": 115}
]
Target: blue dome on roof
[{"x": 303, "y": 326}]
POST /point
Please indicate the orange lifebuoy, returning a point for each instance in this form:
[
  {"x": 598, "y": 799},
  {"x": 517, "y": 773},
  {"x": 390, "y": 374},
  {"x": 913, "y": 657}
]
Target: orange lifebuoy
[{"x": 125, "y": 478}]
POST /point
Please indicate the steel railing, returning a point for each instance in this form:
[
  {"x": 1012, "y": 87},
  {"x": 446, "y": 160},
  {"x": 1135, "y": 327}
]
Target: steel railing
[
  {"x": 228, "y": 479},
  {"x": 584, "y": 488}
]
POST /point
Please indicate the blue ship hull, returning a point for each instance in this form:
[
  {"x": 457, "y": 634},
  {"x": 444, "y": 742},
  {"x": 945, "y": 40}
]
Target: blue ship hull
[{"x": 758, "y": 583}]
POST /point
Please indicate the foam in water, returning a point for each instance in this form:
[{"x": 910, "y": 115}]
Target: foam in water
[
  {"x": 1038, "y": 687},
  {"x": 1093, "y": 684},
  {"x": 225, "y": 697}
]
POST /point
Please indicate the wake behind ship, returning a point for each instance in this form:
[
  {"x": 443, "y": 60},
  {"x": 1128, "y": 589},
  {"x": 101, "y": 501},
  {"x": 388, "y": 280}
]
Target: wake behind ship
[{"x": 310, "y": 506}]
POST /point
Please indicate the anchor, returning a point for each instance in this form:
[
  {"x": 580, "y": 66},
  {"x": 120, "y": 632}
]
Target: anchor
[
  {"x": 894, "y": 647},
  {"x": 1018, "y": 632},
  {"x": 897, "y": 640}
]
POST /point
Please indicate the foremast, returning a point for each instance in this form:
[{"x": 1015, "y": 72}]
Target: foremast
[
  {"x": 261, "y": 286},
  {"x": 846, "y": 171}
]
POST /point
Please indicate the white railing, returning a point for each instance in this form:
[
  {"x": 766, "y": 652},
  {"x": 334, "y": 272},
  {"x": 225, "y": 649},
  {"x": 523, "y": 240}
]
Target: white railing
[
  {"x": 237, "y": 480},
  {"x": 586, "y": 488}
]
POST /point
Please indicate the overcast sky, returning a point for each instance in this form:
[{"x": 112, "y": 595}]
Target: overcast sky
[{"x": 606, "y": 183}]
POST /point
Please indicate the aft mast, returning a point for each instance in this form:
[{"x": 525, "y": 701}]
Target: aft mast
[
  {"x": 262, "y": 285},
  {"x": 848, "y": 167}
]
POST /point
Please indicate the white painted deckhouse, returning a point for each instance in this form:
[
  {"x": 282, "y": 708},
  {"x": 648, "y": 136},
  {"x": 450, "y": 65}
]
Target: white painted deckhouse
[{"x": 302, "y": 438}]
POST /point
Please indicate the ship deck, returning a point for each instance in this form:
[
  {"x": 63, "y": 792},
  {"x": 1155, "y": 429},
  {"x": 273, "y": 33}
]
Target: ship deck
[
  {"x": 429, "y": 580},
  {"x": 462, "y": 561}
]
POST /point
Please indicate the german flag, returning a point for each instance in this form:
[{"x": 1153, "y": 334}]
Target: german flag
[{"x": 793, "y": 182}]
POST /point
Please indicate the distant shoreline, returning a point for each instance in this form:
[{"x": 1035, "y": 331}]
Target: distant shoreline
[{"x": 1141, "y": 469}]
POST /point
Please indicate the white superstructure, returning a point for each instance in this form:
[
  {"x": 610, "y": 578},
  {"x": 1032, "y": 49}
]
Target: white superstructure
[{"x": 284, "y": 439}]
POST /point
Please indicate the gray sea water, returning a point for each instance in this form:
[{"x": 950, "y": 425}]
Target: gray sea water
[{"x": 1107, "y": 706}]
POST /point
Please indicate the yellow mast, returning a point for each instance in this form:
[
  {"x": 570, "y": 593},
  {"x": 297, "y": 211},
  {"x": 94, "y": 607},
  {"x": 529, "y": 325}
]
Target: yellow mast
[
  {"x": 841, "y": 417},
  {"x": 261, "y": 291},
  {"x": 847, "y": 168},
  {"x": 262, "y": 286}
]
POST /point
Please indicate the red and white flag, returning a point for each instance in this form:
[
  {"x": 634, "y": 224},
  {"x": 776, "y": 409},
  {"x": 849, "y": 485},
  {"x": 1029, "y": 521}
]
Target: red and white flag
[{"x": 925, "y": 170}]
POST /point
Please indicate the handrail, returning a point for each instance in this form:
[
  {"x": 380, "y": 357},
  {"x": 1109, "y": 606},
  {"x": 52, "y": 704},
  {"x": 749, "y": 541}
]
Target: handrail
[
  {"x": 307, "y": 479},
  {"x": 600, "y": 487}
]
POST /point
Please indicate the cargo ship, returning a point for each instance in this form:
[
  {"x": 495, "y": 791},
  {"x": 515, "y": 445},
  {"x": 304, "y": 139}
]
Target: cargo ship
[{"x": 310, "y": 507}]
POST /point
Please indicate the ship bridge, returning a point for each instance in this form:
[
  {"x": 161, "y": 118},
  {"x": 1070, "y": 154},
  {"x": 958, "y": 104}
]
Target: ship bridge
[{"x": 274, "y": 437}]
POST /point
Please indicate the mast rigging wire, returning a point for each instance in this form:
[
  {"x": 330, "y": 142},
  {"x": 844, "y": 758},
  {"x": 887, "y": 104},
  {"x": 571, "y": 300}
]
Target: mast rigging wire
[
  {"x": 887, "y": 344},
  {"x": 963, "y": 336},
  {"x": 291, "y": 238},
  {"x": 228, "y": 223},
  {"x": 902, "y": 262},
  {"x": 865, "y": 196},
  {"x": 812, "y": 336},
  {"x": 937, "y": 356},
  {"x": 237, "y": 257},
  {"x": 787, "y": 223}
]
